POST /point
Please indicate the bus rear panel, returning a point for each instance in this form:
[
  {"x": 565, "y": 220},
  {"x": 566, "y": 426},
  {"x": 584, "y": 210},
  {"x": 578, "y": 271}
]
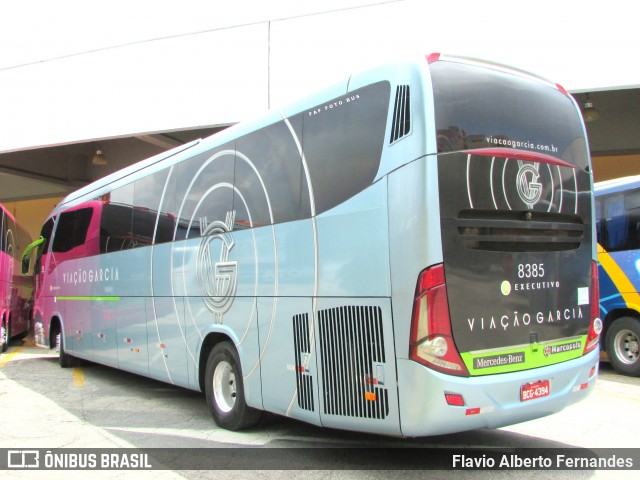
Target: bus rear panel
[{"x": 504, "y": 320}]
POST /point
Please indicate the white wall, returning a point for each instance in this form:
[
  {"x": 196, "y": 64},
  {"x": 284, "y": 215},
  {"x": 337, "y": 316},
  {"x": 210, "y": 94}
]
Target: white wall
[{"x": 72, "y": 72}]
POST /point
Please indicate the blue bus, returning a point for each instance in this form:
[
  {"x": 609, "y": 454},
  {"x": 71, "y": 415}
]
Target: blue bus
[
  {"x": 617, "y": 206},
  {"x": 409, "y": 252}
]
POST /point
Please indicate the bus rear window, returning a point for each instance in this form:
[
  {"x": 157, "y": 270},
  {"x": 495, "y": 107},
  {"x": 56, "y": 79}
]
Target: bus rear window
[{"x": 479, "y": 107}]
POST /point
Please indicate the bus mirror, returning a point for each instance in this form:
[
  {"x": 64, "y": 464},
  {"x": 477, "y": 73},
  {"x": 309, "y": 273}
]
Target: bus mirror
[{"x": 27, "y": 256}]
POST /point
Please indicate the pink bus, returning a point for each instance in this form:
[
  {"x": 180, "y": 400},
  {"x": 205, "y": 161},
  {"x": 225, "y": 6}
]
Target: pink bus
[
  {"x": 16, "y": 289},
  {"x": 80, "y": 233}
]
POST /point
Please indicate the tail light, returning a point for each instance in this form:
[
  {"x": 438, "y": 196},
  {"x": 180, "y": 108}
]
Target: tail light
[
  {"x": 595, "y": 326},
  {"x": 431, "y": 342}
]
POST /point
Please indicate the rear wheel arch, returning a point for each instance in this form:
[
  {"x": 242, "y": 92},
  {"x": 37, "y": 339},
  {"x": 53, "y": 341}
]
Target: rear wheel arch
[
  {"x": 224, "y": 389},
  {"x": 210, "y": 341}
]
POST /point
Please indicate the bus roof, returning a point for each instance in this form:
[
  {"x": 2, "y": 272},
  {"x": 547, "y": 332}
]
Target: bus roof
[
  {"x": 120, "y": 174},
  {"x": 616, "y": 184},
  {"x": 141, "y": 168}
]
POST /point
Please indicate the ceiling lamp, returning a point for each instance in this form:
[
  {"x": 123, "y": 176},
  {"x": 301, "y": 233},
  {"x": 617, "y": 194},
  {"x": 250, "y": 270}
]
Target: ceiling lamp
[
  {"x": 589, "y": 112},
  {"x": 99, "y": 158}
]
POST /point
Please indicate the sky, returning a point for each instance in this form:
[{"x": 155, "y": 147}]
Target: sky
[
  {"x": 72, "y": 70},
  {"x": 35, "y": 30},
  {"x": 592, "y": 37}
]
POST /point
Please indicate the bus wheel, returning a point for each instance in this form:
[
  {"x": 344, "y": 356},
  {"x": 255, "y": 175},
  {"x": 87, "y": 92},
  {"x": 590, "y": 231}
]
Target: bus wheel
[
  {"x": 623, "y": 346},
  {"x": 65, "y": 359},
  {"x": 6, "y": 336},
  {"x": 225, "y": 391}
]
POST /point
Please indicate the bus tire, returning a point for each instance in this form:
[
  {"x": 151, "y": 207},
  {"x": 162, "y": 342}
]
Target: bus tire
[
  {"x": 224, "y": 390},
  {"x": 66, "y": 360},
  {"x": 622, "y": 344},
  {"x": 6, "y": 334}
]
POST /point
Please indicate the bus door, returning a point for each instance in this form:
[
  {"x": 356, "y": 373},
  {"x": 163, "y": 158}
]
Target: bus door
[{"x": 70, "y": 268}]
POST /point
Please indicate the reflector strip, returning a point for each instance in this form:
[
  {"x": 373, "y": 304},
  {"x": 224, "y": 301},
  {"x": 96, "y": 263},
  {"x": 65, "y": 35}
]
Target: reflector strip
[{"x": 479, "y": 410}]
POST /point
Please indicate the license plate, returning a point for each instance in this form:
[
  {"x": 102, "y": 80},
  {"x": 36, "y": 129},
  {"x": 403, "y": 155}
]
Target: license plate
[{"x": 534, "y": 390}]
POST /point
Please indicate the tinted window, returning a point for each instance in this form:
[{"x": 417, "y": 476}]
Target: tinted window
[
  {"x": 269, "y": 179},
  {"x": 115, "y": 228},
  {"x": 146, "y": 200},
  {"x": 47, "y": 230},
  {"x": 597, "y": 205},
  {"x": 204, "y": 192},
  {"x": 342, "y": 142},
  {"x": 72, "y": 229},
  {"x": 168, "y": 214},
  {"x": 116, "y": 222},
  {"x": 480, "y": 107},
  {"x": 619, "y": 221}
]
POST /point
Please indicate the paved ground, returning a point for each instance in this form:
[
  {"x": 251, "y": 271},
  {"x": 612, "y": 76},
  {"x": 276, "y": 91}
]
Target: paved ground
[{"x": 45, "y": 406}]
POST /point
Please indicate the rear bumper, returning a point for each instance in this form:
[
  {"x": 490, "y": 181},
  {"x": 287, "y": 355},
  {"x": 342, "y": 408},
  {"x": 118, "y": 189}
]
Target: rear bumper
[{"x": 491, "y": 401}]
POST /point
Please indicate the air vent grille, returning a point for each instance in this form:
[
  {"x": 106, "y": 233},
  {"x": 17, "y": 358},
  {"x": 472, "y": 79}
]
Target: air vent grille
[
  {"x": 401, "y": 114},
  {"x": 352, "y": 359}
]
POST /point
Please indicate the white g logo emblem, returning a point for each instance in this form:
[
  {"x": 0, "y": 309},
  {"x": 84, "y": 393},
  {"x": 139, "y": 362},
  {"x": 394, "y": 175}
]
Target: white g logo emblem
[{"x": 529, "y": 189}]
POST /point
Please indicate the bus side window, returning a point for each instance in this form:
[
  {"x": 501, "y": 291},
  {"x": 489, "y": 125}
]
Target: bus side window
[
  {"x": 597, "y": 205},
  {"x": 268, "y": 172},
  {"x": 204, "y": 192},
  {"x": 632, "y": 208},
  {"x": 343, "y": 146},
  {"x": 72, "y": 231},
  {"x": 115, "y": 223},
  {"x": 147, "y": 194},
  {"x": 616, "y": 223}
]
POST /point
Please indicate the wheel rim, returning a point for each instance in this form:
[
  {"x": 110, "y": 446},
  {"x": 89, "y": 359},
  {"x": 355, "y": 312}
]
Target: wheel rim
[
  {"x": 627, "y": 346},
  {"x": 224, "y": 387}
]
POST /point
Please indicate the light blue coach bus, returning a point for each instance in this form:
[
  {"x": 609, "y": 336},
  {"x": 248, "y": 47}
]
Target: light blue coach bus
[{"x": 409, "y": 252}]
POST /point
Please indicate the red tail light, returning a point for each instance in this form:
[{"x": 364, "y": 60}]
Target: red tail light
[
  {"x": 431, "y": 342},
  {"x": 595, "y": 326},
  {"x": 433, "y": 57}
]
